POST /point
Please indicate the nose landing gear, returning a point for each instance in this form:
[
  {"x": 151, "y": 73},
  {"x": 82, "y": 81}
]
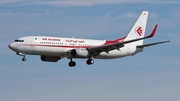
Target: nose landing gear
[
  {"x": 22, "y": 54},
  {"x": 24, "y": 59}
]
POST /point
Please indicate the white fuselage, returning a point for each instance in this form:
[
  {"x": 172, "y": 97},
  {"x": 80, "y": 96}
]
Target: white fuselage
[{"x": 58, "y": 46}]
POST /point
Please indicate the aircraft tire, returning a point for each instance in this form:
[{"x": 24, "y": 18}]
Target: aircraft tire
[
  {"x": 24, "y": 59},
  {"x": 72, "y": 64},
  {"x": 90, "y": 61}
]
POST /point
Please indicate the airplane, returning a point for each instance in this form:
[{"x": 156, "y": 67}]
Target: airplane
[{"x": 52, "y": 49}]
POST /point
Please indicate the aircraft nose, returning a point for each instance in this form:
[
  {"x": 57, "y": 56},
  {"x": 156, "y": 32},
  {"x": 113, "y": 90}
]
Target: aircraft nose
[{"x": 12, "y": 46}]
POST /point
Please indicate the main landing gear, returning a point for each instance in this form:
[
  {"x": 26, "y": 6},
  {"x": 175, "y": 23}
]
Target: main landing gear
[
  {"x": 73, "y": 63},
  {"x": 90, "y": 61}
]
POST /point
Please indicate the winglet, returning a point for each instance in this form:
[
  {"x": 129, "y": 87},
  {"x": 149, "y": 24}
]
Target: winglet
[{"x": 154, "y": 31}]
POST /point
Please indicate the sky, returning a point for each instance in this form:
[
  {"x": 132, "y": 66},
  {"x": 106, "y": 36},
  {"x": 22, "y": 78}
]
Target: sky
[{"x": 152, "y": 75}]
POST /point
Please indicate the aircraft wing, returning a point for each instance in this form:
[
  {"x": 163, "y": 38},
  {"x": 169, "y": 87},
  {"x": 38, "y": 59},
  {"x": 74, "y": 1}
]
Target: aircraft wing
[
  {"x": 109, "y": 47},
  {"x": 152, "y": 44}
]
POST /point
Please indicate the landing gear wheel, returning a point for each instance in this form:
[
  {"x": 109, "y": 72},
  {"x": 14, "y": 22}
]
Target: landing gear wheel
[
  {"x": 90, "y": 61},
  {"x": 72, "y": 64},
  {"x": 23, "y": 59}
]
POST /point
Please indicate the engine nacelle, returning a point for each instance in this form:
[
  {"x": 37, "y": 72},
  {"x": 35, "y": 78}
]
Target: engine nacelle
[
  {"x": 50, "y": 58},
  {"x": 80, "y": 53}
]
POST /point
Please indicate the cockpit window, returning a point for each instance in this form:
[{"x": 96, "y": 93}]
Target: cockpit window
[{"x": 19, "y": 41}]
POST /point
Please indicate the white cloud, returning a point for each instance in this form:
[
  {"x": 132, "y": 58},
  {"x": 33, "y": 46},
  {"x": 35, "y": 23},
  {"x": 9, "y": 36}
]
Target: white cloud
[
  {"x": 94, "y": 85},
  {"x": 153, "y": 15},
  {"x": 84, "y": 2},
  {"x": 10, "y": 1},
  {"x": 24, "y": 14},
  {"x": 99, "y": 2},
  {"x": 175, "y": 13},
  {"x": 136, "y": 15},
  {"x": 129, "y": 15},
  {"x": 89, "y": 2}
]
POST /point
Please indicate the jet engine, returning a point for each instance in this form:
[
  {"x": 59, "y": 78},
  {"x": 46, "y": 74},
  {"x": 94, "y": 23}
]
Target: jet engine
[{"x": 80, "y": 53}]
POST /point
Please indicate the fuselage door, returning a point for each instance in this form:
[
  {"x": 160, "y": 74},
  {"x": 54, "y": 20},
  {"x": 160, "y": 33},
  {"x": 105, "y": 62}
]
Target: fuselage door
[{"x": 31, "y": 45}]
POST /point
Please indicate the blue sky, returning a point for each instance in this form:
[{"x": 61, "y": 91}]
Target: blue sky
[{"x": 152, "y": 75}]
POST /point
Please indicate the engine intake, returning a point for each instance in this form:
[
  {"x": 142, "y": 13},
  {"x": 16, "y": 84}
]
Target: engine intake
[{"x": 80, "y": 53}]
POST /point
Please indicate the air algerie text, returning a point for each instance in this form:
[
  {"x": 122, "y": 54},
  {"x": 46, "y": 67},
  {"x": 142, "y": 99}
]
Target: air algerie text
[{"x": 51, "y": 39}]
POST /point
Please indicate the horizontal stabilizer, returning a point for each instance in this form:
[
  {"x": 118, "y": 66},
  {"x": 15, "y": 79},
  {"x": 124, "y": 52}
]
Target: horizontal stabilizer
[{"x": 152, "y": 44}]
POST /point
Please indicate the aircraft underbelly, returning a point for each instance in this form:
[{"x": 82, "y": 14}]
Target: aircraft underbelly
[
  {"x": 112, "y": 54},
  {"x": 122, "y": 52}
]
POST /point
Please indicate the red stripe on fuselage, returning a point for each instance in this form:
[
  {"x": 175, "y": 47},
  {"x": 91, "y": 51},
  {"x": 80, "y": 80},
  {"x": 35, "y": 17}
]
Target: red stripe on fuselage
[{"x": 57, "y": 46}]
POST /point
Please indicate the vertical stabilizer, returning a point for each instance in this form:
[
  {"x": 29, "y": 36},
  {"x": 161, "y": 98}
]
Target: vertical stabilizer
[{"x": 138, "y": 30}]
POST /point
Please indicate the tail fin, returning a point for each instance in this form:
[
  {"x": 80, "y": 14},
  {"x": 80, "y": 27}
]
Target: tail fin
[{"x": 139, "y": 28}]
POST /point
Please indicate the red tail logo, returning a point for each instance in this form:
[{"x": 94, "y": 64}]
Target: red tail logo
[{"x": 139, "y": 31}]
